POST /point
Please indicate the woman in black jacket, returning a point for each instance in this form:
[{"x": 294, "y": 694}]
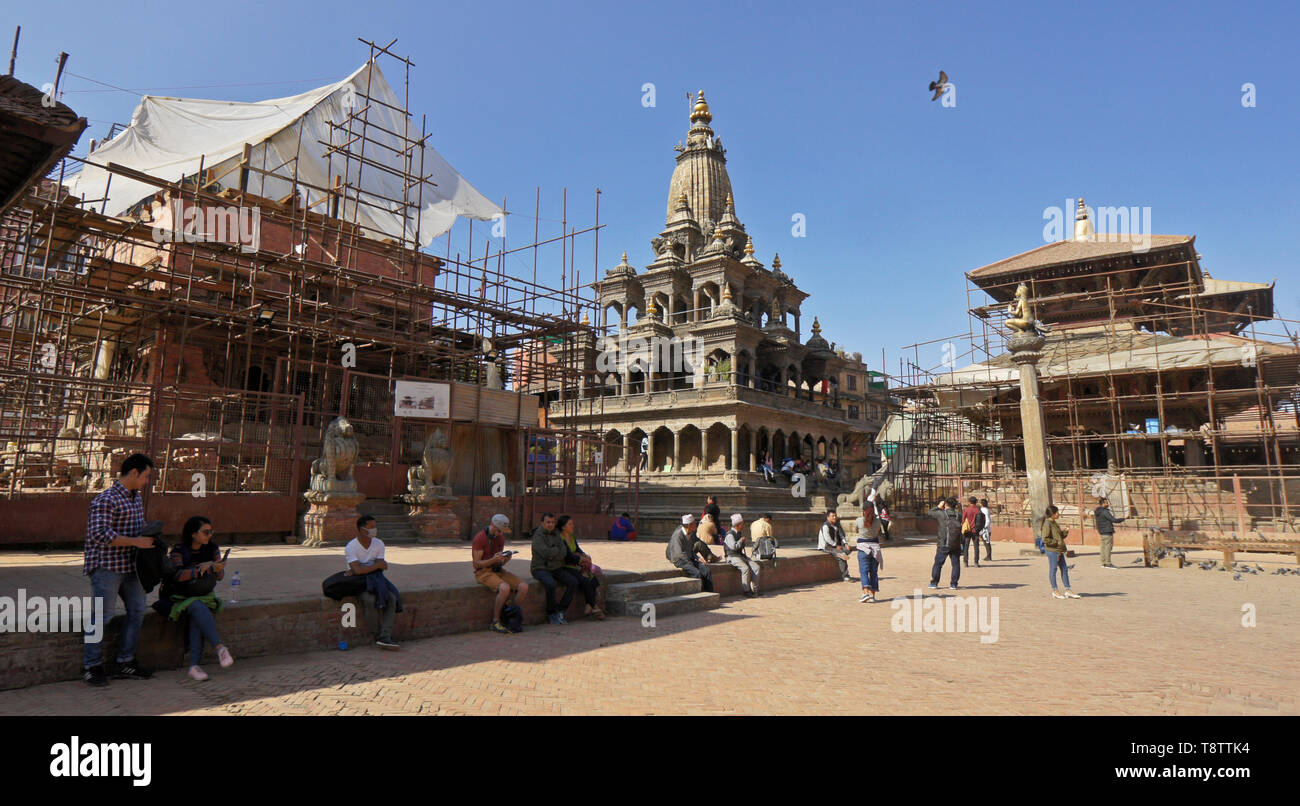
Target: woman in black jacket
[{"x": 197, "y": 569}]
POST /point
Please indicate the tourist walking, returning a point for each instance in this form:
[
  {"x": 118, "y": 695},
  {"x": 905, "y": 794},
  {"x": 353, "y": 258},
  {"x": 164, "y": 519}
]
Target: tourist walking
[
  {"x": 1054, "y": 546},
  {"x": 113, "y": 529},
  {"x": 735, "y": 542},
  {"x": 187, "y": 597},
  {"x": 948, "y": 544},
  {"x": 830, "y": 539},
  {"x": 971, "y": 526},
  {"x": 1106, "y": 520},
  {"x": 986, "y": 534},
  {"x": 870, "y": 558}
]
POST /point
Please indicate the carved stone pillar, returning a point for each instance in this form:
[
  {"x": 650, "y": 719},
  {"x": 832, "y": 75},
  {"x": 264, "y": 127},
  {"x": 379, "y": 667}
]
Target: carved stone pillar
[
  {"x": 735, "y": 449},
  {"x": 704, "y": 448},
  {"x": 677, "y": 451}
]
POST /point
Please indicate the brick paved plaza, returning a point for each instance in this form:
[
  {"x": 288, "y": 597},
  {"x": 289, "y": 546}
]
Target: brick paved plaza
[{"x": 1140, "y": 641}]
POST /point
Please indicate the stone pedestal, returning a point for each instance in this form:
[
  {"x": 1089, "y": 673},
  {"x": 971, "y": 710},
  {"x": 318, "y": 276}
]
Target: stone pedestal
[
  {"x": 1026, "y": 351},
  {"x": 331, "y": 520},
  {"x": 432, "y": 515}
]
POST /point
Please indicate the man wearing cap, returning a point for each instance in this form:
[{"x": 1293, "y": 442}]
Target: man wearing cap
[
  {"x": 489, "y": 557},
  {"x": 682, "y": 548},
  {"x": 735, "y": 541}
]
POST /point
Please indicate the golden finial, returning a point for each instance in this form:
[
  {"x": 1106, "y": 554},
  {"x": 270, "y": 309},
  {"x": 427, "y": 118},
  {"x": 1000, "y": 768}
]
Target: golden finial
[
  {"x": 585, "y": 321},
  {"x": 817, "y": 327},
  {"x": 652, "y": 309},
  {"x": 701, "y": 110},
  {"x": 749, "y": 247},
  {"x": 682, "y": 202},
  {"x": 625, "y": 257},
  {"x": 726, "y": 291},
  {"x": 776, "y": 261}
]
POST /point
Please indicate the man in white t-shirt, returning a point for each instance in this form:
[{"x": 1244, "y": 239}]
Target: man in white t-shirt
[{"x": 364, "y": 554}]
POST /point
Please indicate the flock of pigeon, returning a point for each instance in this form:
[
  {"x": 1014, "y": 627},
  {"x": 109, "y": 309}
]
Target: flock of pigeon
[{"x": 1237, "y": 569}]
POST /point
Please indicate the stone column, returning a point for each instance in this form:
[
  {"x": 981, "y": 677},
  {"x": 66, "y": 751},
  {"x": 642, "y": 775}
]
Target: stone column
[
  {"x": 696, "y": 315},
  {"x": 677, "y": 451},
  {"x": 704, "y": 448},
  {"x": 1026, "y": 350},
  {"x": 626, "y": 464},
  {"x": 753, "y": 450},
  {"x": 650, "y": 452},
  {"x": 735, "y": 449}
]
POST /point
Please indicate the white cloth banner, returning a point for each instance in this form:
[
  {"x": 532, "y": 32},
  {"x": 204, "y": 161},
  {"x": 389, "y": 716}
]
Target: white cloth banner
[{"x": 168, "y": 137}]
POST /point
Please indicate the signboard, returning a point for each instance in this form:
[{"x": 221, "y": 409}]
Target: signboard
[
  {"x": 422, "y": 399},
  {"x": 1153, "y": 425}
]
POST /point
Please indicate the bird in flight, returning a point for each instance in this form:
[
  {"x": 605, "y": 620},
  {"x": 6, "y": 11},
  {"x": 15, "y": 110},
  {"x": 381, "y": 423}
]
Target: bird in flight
[{"x": 939, "y": 86}]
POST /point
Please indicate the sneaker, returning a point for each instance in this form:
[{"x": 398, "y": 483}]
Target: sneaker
[
  {"x": 1069, "y": 594},
  {"x": 848, "y": 578},
  {"x": 555, "y": 618},
  {"x": 94, "y": 676},
  {"x": 386, "y": 643},
  {"x": 499, "y": 627},
  {"x": 1108, "y": 566},
  {"x": 1056, "y": 595},
  {"x": 223, "y": 657},
  {"x": 563, "y": 620},
  {"x": 934, "y": 587},
  {"x": 866, "y": 597},
  {"x": 952, "y": 587},
  {"x": 129, "y": 671},
  {"x": 198, "y": 674}
]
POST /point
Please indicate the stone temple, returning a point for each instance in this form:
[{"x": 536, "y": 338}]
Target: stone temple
[{"x": 705, "y": 359}]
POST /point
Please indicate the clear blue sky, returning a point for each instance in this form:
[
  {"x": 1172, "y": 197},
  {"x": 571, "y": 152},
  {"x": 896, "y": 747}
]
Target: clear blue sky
[{"x": 823, "y": 109}]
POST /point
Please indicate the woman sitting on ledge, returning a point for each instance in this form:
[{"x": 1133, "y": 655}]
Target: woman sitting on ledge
[
  {"x": 189, "y": 594},
  {"x": 579, "y": 562}
]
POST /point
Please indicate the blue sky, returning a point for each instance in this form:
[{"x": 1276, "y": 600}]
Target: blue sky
[{"x": 823, "y": 109}]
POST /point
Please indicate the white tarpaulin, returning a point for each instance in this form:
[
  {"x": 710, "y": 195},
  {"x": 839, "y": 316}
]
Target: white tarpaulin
[{"x": 168, "y": 137}]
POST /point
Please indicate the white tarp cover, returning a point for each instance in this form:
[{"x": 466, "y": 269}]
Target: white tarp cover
[{"x": 168, "y": 137}]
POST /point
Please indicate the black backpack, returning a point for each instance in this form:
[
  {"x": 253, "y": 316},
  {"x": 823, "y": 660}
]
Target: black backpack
[
  {"x": 766, "y": 548},
  {"x": 343, "y": 584},
  {"x": 512, "y": 618}
]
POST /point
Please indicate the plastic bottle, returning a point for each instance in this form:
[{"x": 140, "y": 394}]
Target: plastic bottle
[{"x": 234, "y": 589}]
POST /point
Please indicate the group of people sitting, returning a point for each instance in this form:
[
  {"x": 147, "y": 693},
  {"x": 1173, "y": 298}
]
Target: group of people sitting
[
  {"x": 794, "y": 467},
  {"x": 690, "y": 547}
]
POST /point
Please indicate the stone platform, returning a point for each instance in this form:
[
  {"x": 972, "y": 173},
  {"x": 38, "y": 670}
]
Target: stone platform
[{"x": 281, "y": 609}]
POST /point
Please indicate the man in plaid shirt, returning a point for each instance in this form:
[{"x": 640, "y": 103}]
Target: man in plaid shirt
[{"x": 112, "y": 537}]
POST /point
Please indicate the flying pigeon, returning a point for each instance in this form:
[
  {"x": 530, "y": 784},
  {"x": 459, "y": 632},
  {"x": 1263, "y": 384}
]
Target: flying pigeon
[{"x": 939, "y": 86}]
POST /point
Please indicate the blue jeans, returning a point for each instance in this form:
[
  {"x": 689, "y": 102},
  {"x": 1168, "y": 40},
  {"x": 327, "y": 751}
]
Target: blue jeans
[
  {"x": 203, "y": 627},
  {"x": 940, "y": 555},
  {"x": 107, "y": 586},
  {"x": 1056, "y": 559},
  {"x": 867, "y": 565},
  {"x": 549, "y": 579},
  {"x": 1038, "y": 543}
]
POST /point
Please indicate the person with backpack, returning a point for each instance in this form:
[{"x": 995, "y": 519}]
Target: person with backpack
[
  {"x": 948, "y": 544},
  {"x": 765, "y": 544},
  {"x": 870, "y": 558},
  {"x": 883, "y": 516},
  {"x": 830, "y": 539},
  {"x": 1106, "y": 520},
  {"x": 488, "y": 555},
  {"x": 971, "y": 525},
  {"x": 1054, "y": 545},
  {"x": 364, "y": 556}
]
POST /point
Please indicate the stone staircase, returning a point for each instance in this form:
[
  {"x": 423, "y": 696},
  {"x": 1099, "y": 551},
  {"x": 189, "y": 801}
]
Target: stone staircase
[
  {"x": 669, "y": 591},
  {"x": 390, "y": 517}
]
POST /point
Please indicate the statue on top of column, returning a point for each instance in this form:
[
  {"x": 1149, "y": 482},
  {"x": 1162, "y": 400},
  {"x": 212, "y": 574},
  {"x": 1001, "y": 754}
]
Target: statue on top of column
[{"x": 1021, "y": 311}]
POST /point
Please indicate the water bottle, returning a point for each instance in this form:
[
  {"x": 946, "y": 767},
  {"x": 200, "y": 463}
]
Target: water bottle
[{"x": 234, "y": 589}]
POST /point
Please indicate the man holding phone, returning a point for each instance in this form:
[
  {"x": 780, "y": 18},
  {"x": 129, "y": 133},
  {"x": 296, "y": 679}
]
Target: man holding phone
[{"x": 489, "y": 556}]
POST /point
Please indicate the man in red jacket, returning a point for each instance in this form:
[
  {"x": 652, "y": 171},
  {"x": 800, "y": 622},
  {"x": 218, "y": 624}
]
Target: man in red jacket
[{"x": 971, "y": 518}]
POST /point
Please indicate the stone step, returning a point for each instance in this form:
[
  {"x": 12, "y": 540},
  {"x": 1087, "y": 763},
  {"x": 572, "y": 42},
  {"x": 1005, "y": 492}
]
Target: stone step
[
  {"x": 668, "y": 606},
  {"x": 652, "y": 589}
]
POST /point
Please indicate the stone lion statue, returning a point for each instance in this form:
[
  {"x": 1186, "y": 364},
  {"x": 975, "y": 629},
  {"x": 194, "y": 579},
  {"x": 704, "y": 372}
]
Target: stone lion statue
[
  {"x": 434, "y": 463},
  {"x": 338, "y": 454},
  {"x": 862, "y": 489}
]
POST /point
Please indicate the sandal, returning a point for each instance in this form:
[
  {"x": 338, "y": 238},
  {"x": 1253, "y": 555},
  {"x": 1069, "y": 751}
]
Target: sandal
[{"x": 598, "y": 614}]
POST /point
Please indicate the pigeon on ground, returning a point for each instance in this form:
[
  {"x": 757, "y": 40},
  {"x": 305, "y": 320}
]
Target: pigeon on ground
[
  {"x": 1236, "y": 576},
  {"x": 939, "y": 86}
]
